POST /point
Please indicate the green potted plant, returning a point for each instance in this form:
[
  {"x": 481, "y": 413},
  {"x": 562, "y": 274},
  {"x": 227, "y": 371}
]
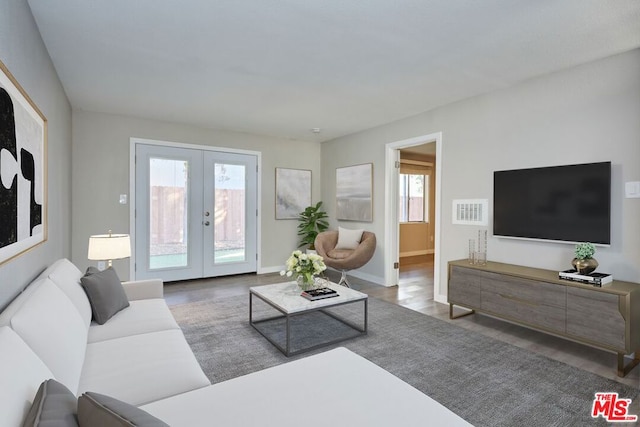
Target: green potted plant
[
  {"x": 584, "y": 263},
  {"x": 312, "y": 221}
]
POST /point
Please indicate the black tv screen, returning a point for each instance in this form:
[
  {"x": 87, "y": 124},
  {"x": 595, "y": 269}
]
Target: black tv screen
[{"x": 564, "y": 203}]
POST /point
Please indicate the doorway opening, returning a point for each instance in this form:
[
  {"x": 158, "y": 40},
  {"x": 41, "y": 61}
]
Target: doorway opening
[
  {"x": 416, "y": 216},
  {"x": 425, "y": 149}
]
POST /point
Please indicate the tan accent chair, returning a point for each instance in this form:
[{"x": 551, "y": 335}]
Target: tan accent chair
[{"x": 345, "y": 259}]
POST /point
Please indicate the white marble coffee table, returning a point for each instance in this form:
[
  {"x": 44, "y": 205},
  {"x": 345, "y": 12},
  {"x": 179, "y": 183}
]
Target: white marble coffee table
[{"x": 286, "y": 299}]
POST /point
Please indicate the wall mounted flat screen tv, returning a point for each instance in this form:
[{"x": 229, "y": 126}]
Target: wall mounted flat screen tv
[{"x": 569, "y": 203}]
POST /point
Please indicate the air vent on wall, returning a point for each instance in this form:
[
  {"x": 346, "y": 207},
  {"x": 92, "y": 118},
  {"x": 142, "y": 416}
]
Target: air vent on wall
[{"x": 471, "y": 212}]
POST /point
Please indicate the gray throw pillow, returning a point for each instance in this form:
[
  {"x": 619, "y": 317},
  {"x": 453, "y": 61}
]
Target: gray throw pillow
[
  {"x": 91, "y": 270},
  {"x": 105, "y": 292},
  {"x": 98, "y": 410},
  {"x": 54, "y": 405}
]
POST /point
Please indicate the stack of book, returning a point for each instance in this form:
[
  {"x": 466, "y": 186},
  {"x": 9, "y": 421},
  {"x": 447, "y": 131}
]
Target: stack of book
[
  {"x": 596, "y": 279},
  {"x": 316, "y": 294}
]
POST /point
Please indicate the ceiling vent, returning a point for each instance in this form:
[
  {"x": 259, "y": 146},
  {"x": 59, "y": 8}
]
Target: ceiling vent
[{"x": 471, "y": 212}]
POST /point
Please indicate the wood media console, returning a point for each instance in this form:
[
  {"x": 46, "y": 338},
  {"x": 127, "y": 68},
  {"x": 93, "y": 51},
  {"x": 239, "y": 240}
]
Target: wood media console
[{"x": 606, "y": 317}]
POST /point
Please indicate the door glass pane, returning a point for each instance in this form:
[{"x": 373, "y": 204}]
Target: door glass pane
[
  {"x": 168, "y": 182},
  {"x": 229, "y": 231}
]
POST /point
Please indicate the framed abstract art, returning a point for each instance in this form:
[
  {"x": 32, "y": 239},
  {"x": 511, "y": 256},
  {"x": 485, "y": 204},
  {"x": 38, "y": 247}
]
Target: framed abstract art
[
  {"x": 293, "y": 192},
  {"x": 23, "y": 170},
  {"x": 354, "y": 193}
]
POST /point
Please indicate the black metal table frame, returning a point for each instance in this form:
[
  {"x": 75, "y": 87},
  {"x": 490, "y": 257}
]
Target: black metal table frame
[{"x": 287, "y": 316}]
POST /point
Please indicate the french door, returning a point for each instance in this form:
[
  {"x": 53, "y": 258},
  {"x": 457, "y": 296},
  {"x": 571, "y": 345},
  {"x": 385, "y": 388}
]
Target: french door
[{"x": 195, "y": 213}]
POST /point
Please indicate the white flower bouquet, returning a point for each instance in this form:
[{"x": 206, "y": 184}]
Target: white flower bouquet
[{"x": 304, "y": 267}]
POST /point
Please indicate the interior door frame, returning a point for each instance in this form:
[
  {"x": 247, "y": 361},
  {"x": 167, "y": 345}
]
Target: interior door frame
[
  {"x": 132, "y": 189},
  {"x": 392, "y": 225}
]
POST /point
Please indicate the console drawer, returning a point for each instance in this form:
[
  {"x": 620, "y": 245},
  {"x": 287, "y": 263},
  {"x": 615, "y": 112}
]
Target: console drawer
[
  {"x": 596, "y": 317},
  {"x": 463, "y": 288},
  {"x": 535, "y": 292},
  {"x": 524, "y": 310}
]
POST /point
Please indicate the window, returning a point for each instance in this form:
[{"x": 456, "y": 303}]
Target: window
[{"x": 413, "y": 198}]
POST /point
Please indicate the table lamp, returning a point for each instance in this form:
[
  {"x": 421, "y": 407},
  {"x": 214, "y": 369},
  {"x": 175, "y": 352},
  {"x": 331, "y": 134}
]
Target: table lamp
[{"x": 107, "y": 247}]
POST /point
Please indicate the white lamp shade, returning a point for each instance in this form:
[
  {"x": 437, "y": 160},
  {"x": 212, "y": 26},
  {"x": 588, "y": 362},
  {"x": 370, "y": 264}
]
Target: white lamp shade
[{"x": 104, "y": 247}]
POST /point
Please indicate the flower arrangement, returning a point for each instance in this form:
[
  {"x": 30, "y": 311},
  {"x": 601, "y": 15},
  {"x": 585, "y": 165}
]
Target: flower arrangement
[
  {"x": 304, "y": 267},
  {"x": 585, "y": 250}
]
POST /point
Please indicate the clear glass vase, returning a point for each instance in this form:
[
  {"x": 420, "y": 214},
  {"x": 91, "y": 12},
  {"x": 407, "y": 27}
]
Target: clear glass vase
[{"x": 306, "y": 283}]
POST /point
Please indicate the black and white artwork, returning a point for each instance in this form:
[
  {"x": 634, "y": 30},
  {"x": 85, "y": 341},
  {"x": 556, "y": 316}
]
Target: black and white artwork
[
  {"x": 293, "y": 192},
  {"x": 22, "y": 170},
  {"x": 354, "y": 193}
]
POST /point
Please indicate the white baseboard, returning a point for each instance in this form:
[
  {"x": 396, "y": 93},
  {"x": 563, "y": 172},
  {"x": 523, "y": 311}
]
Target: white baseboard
[
  {"x": 416, "y": 253},
  {"x": 440, "y": 298},
  {"x": 271, "y": 269},
  {"x": 364, "y": 276}
]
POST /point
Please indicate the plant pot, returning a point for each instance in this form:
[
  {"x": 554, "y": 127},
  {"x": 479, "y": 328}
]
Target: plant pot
[{"x": 584, "y": 266}]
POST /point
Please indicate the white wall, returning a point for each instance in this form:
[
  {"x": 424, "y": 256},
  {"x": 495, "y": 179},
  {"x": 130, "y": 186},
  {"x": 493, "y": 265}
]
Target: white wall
[
  {"x": 586, "y": 114},
  {"x": 23, "y": 53},
  {"x": 101, "y": 174}
]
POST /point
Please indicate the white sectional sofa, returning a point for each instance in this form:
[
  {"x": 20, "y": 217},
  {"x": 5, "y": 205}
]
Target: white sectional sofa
[{"x": 140, "y": 356}]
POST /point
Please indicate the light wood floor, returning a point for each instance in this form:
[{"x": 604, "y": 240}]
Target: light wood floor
[{"x": 415, "y": 291}]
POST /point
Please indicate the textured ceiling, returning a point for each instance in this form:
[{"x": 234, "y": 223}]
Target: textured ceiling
[{"x": 284, "y": 67}]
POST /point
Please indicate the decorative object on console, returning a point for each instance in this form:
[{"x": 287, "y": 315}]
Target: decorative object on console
[
  {"x": 23, "y": 178},
  {"x": 481, "y": 254},
  {"x": 305, "y": 267},
  {"x": 354, "y": 193},
  {"x": 107, "y": 247},
  {"x": 472, "y": 251},
  {"x": 584, "y": 263},
  {"x": 478, "y": 255},
  {"x": 293, "y": 192},
  {"x": 312, "y": 221},
  {"x": 595, "y": 279}
]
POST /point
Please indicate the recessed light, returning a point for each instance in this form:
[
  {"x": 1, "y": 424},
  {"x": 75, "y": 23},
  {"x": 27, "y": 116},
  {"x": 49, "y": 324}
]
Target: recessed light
[{"x": 315, "y": 130}]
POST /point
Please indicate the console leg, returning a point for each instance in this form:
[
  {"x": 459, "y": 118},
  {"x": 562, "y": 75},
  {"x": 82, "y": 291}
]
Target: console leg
[
  {"x": 451, "y": 316},
  {"x": 624, "y": 370}
]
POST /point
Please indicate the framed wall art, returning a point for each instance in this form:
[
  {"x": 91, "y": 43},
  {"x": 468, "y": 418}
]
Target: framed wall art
[
  {"x": 293, "y": 192},
  {"x": 354, "y": 193},
  {"x": 23, "y": 174}
]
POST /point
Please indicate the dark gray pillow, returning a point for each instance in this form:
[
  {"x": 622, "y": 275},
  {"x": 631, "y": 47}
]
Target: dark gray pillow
[
  {"x": 98, "y": 410},
  {"x": 105, "y": 292},
  {"x": 54, "y": 405},
  {"x": 91, "y": 270}
]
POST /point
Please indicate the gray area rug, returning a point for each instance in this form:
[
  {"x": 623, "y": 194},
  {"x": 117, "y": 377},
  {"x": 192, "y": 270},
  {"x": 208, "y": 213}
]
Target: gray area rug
[{"x": 485, "y": 381}]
